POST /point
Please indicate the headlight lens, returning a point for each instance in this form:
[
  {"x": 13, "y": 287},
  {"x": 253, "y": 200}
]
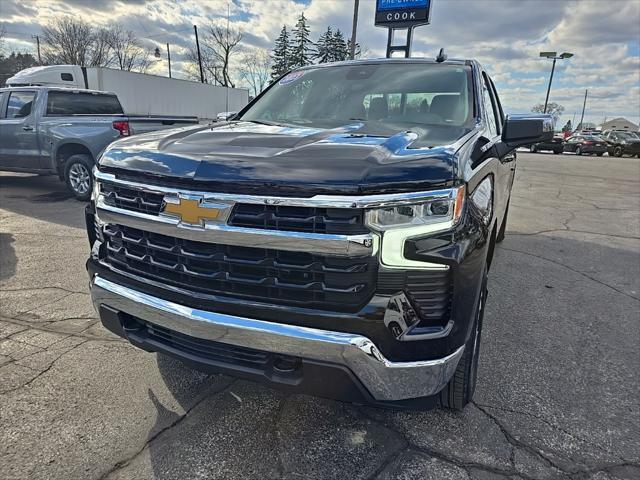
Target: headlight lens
[{"x": 446, "y": 206}]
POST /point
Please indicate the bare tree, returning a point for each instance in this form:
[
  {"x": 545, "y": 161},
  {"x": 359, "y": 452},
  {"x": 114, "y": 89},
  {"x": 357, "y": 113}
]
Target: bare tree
[
  {"x": 217, "y": 47},
  {"x": 70, "y": 41},
  {"x": 255, "y": 69},
  {"x": 128, "y": 54}
]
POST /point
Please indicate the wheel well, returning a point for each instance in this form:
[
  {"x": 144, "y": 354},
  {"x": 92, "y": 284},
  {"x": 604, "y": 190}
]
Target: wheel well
[
  {"x": 492, "y": 244},
  {"x": 65, "y": 151}
]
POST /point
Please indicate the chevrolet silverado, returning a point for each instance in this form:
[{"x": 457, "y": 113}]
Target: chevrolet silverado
[{"x": 335, "y": 237}]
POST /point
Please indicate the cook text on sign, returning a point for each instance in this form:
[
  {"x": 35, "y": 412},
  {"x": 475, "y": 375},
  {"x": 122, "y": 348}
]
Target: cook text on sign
[{"x": 402, "y": 13}]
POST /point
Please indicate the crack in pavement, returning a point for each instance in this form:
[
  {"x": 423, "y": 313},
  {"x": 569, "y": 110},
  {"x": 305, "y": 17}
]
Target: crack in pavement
[
  {"x": 572, "y": 269},
  {"x": 26, "y": 289},
  {"x": 555, "y": 427},
  {"x": 571, "y": 230},
  {"x": 27, "y": 325},
  {"x": 53, "y": 362},
  {"x": 206, "y": 394},
  {"x": 512, "y": 440}
]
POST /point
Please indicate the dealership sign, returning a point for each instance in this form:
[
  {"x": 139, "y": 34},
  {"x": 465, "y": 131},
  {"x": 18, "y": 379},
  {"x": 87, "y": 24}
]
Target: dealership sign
[{"x": 402, "y": 13}]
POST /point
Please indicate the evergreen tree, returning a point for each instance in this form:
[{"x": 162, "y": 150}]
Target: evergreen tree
[
  {"x": 301, "y": 52},
  {"x": 281, "y": 54},
  {"x": 339, "y": 49},
  {"x": 358, "y": 50},
  {"x": 323, "y": 46}
]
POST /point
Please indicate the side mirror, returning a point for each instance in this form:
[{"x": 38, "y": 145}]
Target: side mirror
[
  {"x": 224, "y": 116},
  {"x": 520, "y": 130}
]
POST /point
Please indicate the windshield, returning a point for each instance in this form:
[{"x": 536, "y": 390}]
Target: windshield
[{"x": 387, "y": 98}]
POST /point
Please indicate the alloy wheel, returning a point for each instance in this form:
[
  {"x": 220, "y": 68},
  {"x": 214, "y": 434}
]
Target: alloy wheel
[{"x": 79, "y": 178}]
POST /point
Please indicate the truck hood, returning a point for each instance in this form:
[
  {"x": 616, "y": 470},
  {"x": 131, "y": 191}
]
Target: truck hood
[{"x": 251, "y": 157}]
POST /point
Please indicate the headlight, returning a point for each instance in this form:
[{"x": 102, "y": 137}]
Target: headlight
[
  {"x": 444, "y": 207},
  {"x": 482, "y": 198}
]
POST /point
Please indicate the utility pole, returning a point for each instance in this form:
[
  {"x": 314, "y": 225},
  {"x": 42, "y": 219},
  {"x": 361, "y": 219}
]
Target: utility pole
[
  {"x": 356, "y": 5},
  {"x": 583, "y": 107},
  {"x": 37, "y": 37},
  {"x": 195, "y": 29},
  {"x": 169, "y": 59}
]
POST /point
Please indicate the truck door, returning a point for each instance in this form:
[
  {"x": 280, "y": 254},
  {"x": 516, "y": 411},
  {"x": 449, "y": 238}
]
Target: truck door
[
  {"x": 19, "y": 146},
  {"x": 506, "y": 165}
]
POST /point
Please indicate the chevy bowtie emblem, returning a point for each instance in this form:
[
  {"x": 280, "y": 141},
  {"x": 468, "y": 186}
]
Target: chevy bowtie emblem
[{"x": 195, "y": 211}]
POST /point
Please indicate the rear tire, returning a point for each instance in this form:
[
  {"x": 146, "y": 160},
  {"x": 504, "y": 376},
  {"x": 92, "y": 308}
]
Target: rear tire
[
  {"x": 578, "y": 151},
  {"x": 78, "y": 176},
  {"x": 533, "y": 149},
  {"x": 557, "y": 152},
  {"x": 617, "y": 152},
  {"x": 460, "y": 389},
  {"x": 600, "y": 154}
]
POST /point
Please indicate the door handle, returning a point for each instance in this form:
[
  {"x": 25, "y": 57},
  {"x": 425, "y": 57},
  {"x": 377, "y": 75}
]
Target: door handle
[{"x": 27, "y": 128}]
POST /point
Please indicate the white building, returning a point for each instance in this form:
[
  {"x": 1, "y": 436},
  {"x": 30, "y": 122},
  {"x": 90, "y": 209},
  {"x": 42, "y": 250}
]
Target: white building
[{"x": 619, "y": 124}]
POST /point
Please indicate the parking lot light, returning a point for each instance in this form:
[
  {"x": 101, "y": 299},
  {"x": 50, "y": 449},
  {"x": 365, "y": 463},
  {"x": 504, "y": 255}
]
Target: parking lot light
[{"x": 554, "y": 56}]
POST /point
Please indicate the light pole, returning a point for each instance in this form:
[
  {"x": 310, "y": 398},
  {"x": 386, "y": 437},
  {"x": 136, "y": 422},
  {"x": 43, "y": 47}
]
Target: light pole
[{"x": 554, "y": 56}]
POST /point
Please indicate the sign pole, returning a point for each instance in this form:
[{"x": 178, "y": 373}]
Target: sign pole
[{"x": 397, "y": 15}]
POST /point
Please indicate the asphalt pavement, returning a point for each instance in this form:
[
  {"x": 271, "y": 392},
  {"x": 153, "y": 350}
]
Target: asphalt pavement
[{"x": 558, "y": 393}]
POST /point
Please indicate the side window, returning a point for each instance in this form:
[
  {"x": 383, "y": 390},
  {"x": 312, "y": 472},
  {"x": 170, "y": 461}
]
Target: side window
[
  {"x": 489, "y": 108},
  {"x": 20, "y": 103},
  {"x": 61, "y": 103},
  {"x": 67, "y": 77},
  {"x": 500, "y": 112}
]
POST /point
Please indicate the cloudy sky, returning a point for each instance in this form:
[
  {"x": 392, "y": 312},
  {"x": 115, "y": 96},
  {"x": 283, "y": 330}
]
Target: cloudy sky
[{"x": 505, "y": 35}]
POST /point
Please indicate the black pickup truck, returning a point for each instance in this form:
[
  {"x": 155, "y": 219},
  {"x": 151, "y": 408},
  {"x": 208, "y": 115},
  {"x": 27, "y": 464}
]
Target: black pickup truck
[{"x": 335, "y": 237}]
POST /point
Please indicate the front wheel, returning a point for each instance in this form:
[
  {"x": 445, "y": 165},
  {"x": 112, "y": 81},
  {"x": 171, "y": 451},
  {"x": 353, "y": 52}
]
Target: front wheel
[
  {"x": 533, "y": 149},
  {"x": 600, "y": 154},
  {"x": 578, "y": 151},
  {"x": 557, "y": 152},
  {"x": 77, "y": 174},
  {"x": 460, "y": 389},
  {"x": 617, "y": 152}
]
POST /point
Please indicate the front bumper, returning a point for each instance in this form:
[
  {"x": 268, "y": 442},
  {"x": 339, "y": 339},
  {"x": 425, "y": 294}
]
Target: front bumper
[{"x": 384, "y": 380}]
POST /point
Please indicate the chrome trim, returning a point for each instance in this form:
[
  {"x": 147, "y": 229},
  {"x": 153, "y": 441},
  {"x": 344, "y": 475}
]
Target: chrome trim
[
  {"x": 384, "y": 379},
  {"x": 316, "y": 243},
  {"x": 318, "y": 201}
]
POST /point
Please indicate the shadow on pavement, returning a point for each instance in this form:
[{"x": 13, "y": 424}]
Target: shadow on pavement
[
  {"x": 8, "y": 258},
  {"x": 43, "y": 198}
]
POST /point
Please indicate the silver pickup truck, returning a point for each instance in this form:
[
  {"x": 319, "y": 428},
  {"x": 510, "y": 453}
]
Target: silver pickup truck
[{"x": 60, "y": 131}]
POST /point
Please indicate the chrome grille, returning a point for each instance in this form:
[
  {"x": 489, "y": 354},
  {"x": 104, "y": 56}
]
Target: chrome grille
[{"x": 292, "y": 278}]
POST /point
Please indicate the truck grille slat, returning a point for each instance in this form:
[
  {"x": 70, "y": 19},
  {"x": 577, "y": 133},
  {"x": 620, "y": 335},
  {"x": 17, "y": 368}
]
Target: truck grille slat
[
  {"x": 340, "y": 221},
  {"x": 292, "y": 278}
]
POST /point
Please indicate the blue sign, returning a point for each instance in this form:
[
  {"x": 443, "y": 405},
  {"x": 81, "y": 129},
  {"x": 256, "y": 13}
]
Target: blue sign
[
  {"x": 401, "y": 4},
  {"x": 402, "y": 13}
]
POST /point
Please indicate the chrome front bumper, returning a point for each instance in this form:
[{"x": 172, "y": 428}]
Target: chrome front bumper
[{"x": 385, "y": 380}]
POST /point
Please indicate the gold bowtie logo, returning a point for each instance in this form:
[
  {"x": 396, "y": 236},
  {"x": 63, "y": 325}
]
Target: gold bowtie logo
[{"x": 192, "y": 211}]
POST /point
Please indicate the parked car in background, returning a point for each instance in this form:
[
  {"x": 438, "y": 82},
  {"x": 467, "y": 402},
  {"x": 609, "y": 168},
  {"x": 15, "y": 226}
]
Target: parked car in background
[
  {"x": 556, "y": 145},
  {"x": 585, "y": 143},
  {"x": 60, "y": 131},
  {"x": 622, "y": 143}
]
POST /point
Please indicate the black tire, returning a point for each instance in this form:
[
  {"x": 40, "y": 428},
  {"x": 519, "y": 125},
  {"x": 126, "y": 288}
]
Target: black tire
[
  {"x": 533, "y": 149},
  {"x": 578, "y": 151},
  {"x": 503, "y": 227},
  {"x": 78, "y": 176},
  {"x": 600, "y": 154},
  {"x": 460, "y": 389},
  {"x": 617, "y": 152},
  {"x": 557, "y": 152}
]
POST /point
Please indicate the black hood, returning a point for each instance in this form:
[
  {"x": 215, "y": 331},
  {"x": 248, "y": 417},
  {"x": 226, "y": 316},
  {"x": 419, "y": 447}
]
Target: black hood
[{"x": 249, "y": 157}]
